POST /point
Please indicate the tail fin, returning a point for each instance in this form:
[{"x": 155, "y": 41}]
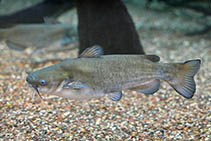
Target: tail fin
[{"x": 183, "y": 82}]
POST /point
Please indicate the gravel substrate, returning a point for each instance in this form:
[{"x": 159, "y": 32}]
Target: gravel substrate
[{"x": 164, "y": 116}]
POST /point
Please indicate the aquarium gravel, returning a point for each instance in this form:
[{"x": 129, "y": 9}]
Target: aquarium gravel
[{"x": 162, "y": 116}]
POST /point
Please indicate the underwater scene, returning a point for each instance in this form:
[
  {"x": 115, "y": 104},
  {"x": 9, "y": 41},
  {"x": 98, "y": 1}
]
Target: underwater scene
[{"x": 105, "y": 70}]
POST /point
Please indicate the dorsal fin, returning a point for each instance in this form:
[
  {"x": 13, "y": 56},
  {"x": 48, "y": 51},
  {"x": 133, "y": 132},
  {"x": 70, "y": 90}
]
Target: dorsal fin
[
  {"x": 153, "y": 58},
  {"x": 94, "y": 51}
]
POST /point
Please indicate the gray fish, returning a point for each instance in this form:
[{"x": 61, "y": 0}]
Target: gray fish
[
  {"x": 39, "y": 36},
  {"x": 93, "y": 75}
]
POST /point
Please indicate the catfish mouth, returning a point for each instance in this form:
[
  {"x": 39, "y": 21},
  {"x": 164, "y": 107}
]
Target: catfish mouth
[
  {"x": 28, "y": 79},
  {"x": 36, "y": 88}
]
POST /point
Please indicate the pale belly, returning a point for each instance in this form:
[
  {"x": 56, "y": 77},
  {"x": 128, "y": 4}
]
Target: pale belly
[{"x": 75, "y": 94}]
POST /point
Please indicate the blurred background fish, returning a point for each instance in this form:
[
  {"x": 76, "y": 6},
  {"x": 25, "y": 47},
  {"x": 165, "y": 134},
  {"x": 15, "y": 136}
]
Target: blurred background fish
[{"x": 38, "y": 36}]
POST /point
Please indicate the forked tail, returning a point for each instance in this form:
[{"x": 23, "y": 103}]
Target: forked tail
[{"x": 183, "y": 81}]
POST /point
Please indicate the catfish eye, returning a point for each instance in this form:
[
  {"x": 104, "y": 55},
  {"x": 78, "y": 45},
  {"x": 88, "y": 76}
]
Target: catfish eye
[{"x": 42, "y": 82}]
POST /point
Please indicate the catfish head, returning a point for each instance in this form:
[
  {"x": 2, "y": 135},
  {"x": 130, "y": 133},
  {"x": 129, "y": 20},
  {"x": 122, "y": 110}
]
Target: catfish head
[{"x": 47, "y": 80}]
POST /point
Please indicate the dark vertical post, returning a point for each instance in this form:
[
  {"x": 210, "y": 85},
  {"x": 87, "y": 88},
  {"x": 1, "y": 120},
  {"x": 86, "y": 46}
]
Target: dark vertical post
[{"x": 108, "y": 24}]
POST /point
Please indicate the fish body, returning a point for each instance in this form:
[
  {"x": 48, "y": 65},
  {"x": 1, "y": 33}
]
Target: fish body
[
  {"x": 94, "y": 75},
  {"x": 21, "y": 36}
]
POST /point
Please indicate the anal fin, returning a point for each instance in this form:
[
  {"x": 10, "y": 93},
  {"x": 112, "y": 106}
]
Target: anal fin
[
  {"x": 15, "y": 46},
  {"x": 148, "y": 88}
]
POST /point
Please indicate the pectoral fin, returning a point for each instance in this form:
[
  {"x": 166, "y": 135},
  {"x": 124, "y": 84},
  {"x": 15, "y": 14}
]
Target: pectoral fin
[
  {"x": 15, "y": 46},
  {"x": 74, "y": 85},
  {"x": 149, "y": 87},
  {"x": 115, "y": 96}
]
